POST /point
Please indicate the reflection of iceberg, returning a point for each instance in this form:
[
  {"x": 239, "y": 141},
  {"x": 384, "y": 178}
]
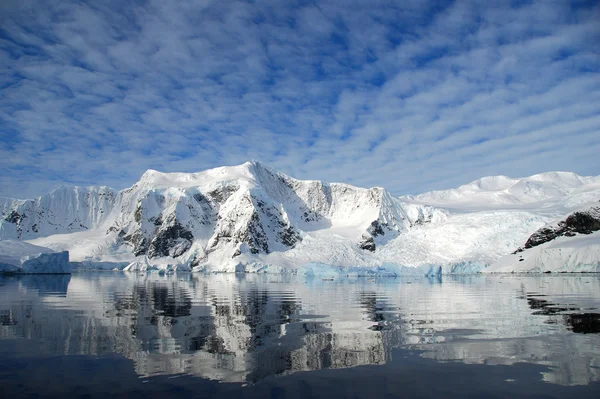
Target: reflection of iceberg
[
  {"x": 236, "y": 328},
  {"x": 46, "y": 285}
]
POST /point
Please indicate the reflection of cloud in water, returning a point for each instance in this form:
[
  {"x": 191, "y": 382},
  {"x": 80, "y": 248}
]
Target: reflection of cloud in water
[{"x": 245, "y": 329}]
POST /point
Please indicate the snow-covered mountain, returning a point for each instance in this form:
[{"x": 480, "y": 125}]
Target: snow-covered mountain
[
  {"x": 252, "y": 218},
  {"x": 64, "y": 210},
  {"x": 501, "y": 191},
  {"x": 570, "y": 244}
]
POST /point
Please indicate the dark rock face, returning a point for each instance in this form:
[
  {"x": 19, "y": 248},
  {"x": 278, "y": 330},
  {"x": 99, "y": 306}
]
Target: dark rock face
[
  {"x": 584, "y": 222},
  {"x": 138, "y": 213},
  {"x": 259, "y": 217},
  {"x": 197, "y": 260},
  {"x": 581, "y": 222},
  {"x": 208, "y": 209},
  {"x": 221, "y": 194},
  {"x": 423, "y": 219},
  {"x": 253, "y": 235},
  {"x": 376, "y": 228},
  {"x": 288, "y": 237},
  {"x": 286, "y": 234},
  {"x": 367, "y": 244},
  {"x": 137, "y": 240},
  {"x": 14, "y": 217},
  {"x": 170, "y": 240},
  {"x": 310, "y": 216}
]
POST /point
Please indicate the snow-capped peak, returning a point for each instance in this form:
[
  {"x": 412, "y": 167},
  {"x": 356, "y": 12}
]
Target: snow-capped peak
[
  {"x": 156, "y": 179},
  {"x": 502, "y": 191}
]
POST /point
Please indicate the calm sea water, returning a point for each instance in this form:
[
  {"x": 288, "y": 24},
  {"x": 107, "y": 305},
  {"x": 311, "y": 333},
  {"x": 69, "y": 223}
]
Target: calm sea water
[{"x": 120, "y": 334}]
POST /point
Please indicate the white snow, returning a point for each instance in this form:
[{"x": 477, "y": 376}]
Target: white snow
[
  {"x": 501, "y": 191},
  {"x": 22, "y": 257},
  {"x": 565, "y": 254},
  {"x": 66, "y": 209}
]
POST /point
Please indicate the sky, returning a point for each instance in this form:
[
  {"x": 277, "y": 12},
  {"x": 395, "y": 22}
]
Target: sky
[{"x": 409, "y": 95}]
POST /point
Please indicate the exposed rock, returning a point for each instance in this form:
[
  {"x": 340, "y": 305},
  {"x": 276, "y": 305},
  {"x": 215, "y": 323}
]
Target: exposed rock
[
  {"x": 137, "y": 241},
  {"x": 14, "y": 217},
  {"x": 170, "y": 240},
  {"x": 580, "y": 222},
  {"x": 229, "y": 230},
  {"x": 255, "y": 236},
  {"x": 367, "y": 244},
  {"x": 423, "y": 219},
  {"x": 221, "y": 194},
  {"x": 376, "y": 229},
  {"x": 289, "y": 237},
  {"x": 138, "y": 213},
  {"x": 286, "y": 234}
]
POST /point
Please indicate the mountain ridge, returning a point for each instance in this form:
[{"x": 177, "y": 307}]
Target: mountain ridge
[{"x": 252, "y": 217}]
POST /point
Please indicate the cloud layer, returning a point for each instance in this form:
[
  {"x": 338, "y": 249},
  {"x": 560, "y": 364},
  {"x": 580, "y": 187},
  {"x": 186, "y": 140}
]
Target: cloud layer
[{"x": 409, "y": 95}]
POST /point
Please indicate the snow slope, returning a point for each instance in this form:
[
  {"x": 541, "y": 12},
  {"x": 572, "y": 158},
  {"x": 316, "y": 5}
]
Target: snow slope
[
  {"x": 535, "y": 192},
  {"x": 570, "y": 244},
  {"x": 569, "y": 254},
  {"x": 22, "y": 257},
  {"x": 250, "y": 218}
]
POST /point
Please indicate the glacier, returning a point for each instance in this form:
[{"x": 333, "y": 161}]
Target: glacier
[
  {"x": 22, "y": 257},
  {"x": 250, "y": 218}
]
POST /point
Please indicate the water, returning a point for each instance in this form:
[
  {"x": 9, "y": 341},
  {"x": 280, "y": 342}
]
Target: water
[{"x": 120, "y": 334}]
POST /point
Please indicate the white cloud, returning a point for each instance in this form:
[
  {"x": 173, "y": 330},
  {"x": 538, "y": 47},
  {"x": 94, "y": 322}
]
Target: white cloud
[{"x": 408, "y": 95}]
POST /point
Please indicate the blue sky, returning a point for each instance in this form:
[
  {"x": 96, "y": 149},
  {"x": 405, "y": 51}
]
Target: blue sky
[{"x": 409, "y": 95}]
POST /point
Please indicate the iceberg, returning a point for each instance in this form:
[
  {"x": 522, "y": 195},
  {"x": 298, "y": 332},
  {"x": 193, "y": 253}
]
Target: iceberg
[{"x": 22, "y": 257}]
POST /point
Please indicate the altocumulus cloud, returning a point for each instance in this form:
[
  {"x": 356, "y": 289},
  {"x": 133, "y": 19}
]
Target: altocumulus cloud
[{"x": 410, "y": 95}]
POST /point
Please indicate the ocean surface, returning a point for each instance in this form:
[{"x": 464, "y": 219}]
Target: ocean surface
[{"x": 220, "y": 336}]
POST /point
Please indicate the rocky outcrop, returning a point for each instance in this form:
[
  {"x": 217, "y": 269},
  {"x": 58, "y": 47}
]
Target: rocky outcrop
[
  {"x": 244, "y": 223},
  {"x": 376, "y": 228},
  {"x": 367, "y": 243},
  {"x": 171, "y": 240},
  {"x": 580, "y": 222}
]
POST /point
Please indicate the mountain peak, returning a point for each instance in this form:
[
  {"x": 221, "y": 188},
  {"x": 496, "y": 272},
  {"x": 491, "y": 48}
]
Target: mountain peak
[
  {"x": 569, "y": 179},
  {"x": 490, "y": 183},
  {"x": 502, "y": 190}
]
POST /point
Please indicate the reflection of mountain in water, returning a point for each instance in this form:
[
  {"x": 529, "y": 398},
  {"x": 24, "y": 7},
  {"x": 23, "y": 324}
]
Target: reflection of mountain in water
[
  {"x": 245, "y": 329},
  {"x": 584, "y": 323}
]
